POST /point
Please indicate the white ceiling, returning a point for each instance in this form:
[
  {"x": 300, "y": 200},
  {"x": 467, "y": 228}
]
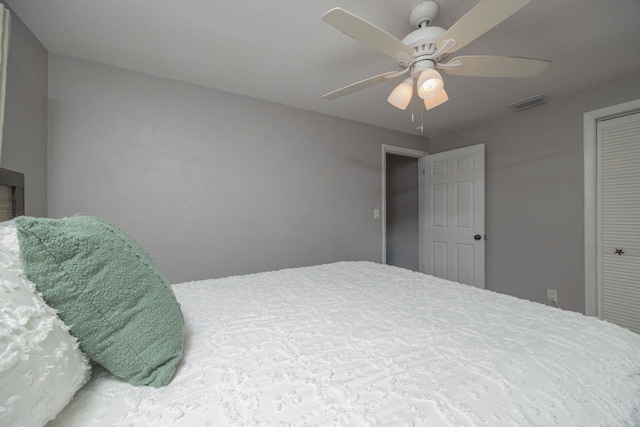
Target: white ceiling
[{"x": 283, "y": 52}]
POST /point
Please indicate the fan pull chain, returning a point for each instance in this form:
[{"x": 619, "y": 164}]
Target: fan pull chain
[
  {"x": 421, "y": 127},
  {"x": 413, "y": 103}
]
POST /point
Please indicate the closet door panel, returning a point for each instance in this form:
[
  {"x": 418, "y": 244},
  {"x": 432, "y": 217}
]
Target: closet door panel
[{"x": 619, "y": 220}]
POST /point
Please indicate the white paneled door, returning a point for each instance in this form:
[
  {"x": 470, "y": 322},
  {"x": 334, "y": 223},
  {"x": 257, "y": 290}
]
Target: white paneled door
[
  {"x": 619, "y": 220},
  {"x": 453, "y": 216}
]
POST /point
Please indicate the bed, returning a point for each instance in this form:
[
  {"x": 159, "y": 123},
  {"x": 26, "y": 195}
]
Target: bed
[
  {"x": 363, "y": 344},
  {"x": 348, "y": 344}
]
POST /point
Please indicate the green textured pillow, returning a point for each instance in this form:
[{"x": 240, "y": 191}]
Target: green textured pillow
[{"x": 109, "y": 291}]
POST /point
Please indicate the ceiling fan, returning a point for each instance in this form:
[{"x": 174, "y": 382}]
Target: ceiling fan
[{"x": 423, "y": 50}]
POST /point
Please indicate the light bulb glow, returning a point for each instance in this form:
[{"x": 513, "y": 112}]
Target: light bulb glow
[
  {"x": 430, "y": 84},
  {"x": 438, "y": 100},
  {"x": 400, "y": 97}
]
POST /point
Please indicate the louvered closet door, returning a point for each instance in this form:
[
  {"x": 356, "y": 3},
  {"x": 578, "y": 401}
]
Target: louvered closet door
[{"x": 619, "y": 220}]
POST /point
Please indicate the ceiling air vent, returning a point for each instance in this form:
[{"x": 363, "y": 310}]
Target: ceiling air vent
[{"x": 534, "y": 101}]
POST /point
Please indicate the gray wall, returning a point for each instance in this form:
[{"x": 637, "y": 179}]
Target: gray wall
[
  {"x": 24, "y": 143},
  {"x": 212, "y": 183},
  {"x": 402, "y": 211},
  {"x": 535, "y": 193}
]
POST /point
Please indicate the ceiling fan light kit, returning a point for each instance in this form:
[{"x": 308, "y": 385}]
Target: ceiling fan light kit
[
  {"x": 400, "y": 97},
  {"x": 424, "y": 49},
  {"x": 430, "y": 83},
  {"x": 440, "y": 99}
]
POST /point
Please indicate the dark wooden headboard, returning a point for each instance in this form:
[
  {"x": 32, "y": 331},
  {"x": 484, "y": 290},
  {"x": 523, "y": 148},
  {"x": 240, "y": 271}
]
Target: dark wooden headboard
[{"x": 11, "y": 194}]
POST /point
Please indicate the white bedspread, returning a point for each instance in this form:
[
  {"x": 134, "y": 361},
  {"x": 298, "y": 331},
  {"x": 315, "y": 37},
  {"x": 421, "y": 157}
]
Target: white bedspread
[{"x": 365, "y": 344}]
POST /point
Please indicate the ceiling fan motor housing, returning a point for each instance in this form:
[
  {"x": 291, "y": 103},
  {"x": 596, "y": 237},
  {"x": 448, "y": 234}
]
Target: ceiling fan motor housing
[{"x": 423, "y": 42}]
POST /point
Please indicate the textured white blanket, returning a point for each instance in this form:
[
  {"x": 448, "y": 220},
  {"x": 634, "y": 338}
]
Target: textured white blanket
[{"x": 365, "y": 344}]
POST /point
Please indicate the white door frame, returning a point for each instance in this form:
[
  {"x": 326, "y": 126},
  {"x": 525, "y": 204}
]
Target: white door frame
[
  {"x": 591, "y": 118},
  {"x": 399, "y": 151}
]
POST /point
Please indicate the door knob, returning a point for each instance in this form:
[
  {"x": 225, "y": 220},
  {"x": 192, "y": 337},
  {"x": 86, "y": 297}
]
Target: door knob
[{"x": 477, "y": 237}]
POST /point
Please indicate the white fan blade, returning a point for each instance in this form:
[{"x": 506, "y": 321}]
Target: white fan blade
[
  {"x": 365, "y": 32},
  {"x": 495, "y": 66},
  {"x": 483, "y": 17},
  {"x": 362, "y": 84}
]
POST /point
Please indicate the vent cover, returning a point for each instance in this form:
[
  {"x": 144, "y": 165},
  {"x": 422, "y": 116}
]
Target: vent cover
[{"x": 534, "y": 101}]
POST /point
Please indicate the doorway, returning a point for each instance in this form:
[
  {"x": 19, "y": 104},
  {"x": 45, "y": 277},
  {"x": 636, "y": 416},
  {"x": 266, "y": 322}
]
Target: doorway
[
  {"x": 450, "y": 219},
  {"x": 402, "y": 211},
  {"x": 398, "y": 247}
]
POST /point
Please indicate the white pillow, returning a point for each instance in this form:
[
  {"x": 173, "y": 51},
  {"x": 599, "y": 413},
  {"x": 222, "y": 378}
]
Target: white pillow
[{"x": 41, "y": 366}]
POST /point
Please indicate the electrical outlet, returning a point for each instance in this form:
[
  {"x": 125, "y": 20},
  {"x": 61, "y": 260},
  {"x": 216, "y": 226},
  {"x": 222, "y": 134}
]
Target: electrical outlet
[
  {"x": 552, "y": 296},
  {"x": 376, "y": 214}
]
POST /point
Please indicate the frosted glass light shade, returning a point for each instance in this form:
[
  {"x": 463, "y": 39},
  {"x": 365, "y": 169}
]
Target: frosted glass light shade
[
  {"x": 400, "y": 97},
  {"x": 430, "y": 84},
  {"x": 438, "y": 100}
]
